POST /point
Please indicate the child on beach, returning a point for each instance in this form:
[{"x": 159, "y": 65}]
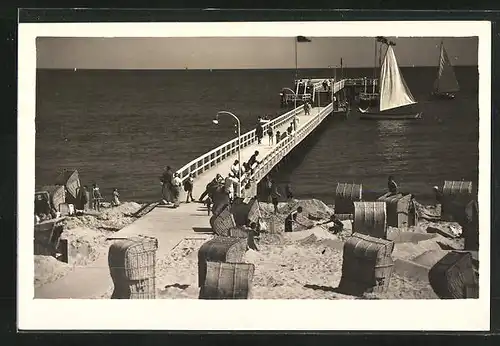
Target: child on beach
[
  {"x": 96, "y": 197},
  {"x": 116, "y": 200}
]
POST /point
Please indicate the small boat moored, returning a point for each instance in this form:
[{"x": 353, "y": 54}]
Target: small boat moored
[{"x": 396, "y": 100}]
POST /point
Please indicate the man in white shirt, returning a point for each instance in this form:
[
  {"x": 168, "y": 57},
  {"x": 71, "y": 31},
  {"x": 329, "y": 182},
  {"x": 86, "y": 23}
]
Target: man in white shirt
[
  {"x": 229, "y": 186},
  {"x": 235, "y": 168}
]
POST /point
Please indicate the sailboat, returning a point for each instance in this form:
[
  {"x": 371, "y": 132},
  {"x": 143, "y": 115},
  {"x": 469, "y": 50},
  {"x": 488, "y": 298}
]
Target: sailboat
[
  {"x": 396, "y": 101},
  {"x": 446, "y": 83}
]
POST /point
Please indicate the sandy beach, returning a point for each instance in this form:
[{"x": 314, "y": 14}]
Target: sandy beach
[{"x": 304, "y": 264}]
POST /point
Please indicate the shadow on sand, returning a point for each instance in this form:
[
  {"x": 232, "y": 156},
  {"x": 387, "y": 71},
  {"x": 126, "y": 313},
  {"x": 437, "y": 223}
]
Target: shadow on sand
[
  {"x": 203, "y": 230},
  {"x": 350, "y": 290}
]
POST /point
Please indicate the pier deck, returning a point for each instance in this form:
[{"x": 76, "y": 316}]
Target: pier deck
[{"x": 171, "y": 226}]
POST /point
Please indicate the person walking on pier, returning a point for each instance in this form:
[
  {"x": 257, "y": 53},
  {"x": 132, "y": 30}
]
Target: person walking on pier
[
  {"x": 289, "y": 130},
  {"x": 218, "y": 180},
  {"x": 270, "y": 134},
  {"x": 278, "y": 137},
  {"x": 391, "y": 185},
  {"x": 253, "y": 160},
  {"x": 229, "y": 186},
  {"x": 307, "y": 108},
  {"x": 259, "y": 132},
  {"x": 166, "y": 184},
  {"x": 176, "y": 189},
  {"x": 235, "y": 168},
  {"x": 188, "y": 187}
]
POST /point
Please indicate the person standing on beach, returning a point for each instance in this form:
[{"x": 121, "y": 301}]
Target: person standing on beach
[
  {"x": 275, "y": 195},
  {"x": 116, "y": 200},
  {"x": 291, "y": 218},
  {"x": 270, "y": 134},
  {"x": 439, "y": 197},
  {"x": 84, "y": 198},
  {"x": 188, "y": 187},
  {"x": 288, "y": 191},
  {"x": 176, "y": 189},
  {"x": 166, "y": 183},
  {"x": 96, "y": 197},
  {"x": 391, "y": 185}
]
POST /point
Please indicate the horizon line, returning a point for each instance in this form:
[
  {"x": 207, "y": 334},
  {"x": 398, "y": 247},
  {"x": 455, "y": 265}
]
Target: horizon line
[{"x": 231, "y": 69}]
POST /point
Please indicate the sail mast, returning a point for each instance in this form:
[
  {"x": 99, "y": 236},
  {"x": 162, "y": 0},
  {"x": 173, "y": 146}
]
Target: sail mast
[
  {"x": 440, "y": 65},
  {"x": 394, "y": 92}
]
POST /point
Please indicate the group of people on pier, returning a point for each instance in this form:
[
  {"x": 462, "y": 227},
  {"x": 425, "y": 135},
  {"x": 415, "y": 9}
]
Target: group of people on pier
[
  {"x": 172, "y": 183},
  {"x": 275, "y": 138}
]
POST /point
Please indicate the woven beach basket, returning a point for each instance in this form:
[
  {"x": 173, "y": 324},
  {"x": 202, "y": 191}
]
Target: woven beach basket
[
  {"x": 370, "y": 218},
  {"x": 456, "y": 195},
  {"x": 223, "y": 222},
  {"x": 245, "y": 211},
  {"x": 400, "y": 210},
  {"x": 227, "y": 281},
  {"x": 132, "y": 264},
  {"x": 453, "y": 276},
  {"x": 470, "y": 226},
  {"x": 345, "y": 195},
  {"x": 367, "y": 264},
  {"x": 220, "y": 249}
]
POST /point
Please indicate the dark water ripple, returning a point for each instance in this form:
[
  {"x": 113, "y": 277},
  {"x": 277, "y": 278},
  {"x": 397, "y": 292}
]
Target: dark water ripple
[{"x": 120, "y": 128}]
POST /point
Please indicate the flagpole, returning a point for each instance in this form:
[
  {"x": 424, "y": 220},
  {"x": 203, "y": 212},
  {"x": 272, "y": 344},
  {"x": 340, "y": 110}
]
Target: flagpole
[{"x": 296, "y": 59}]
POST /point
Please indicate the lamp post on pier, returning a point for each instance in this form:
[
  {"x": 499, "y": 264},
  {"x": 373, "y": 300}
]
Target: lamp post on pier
[
  {"x": 334, "y": 80},
  {"x": 216, "y": 122}
]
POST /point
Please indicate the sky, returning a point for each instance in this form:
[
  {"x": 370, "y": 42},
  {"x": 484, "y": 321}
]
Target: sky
[{"x": 241, "y": 52}]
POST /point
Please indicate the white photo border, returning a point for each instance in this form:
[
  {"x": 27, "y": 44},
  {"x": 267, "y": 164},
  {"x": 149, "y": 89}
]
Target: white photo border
[{"x": 163, "y": 314}]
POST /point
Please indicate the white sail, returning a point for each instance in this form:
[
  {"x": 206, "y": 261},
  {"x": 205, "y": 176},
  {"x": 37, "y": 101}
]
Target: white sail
[
  {"x": 394, "y": 92},
  {"x": 446, "y": 80}
]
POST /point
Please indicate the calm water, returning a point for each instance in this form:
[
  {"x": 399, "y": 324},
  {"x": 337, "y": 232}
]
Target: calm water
[{"x": 119, "y": 128}]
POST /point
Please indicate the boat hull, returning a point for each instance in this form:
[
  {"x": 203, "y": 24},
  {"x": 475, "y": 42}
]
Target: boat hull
[
  {"x": 406, "y": 113},
  {"x": 444, "y": 96},
  {"x": 380, "y": 116}
]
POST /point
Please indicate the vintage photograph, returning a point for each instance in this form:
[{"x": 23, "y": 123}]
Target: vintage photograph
[
  {"x": 267, "y": 168},
  {"x": 299, "y": 167}
]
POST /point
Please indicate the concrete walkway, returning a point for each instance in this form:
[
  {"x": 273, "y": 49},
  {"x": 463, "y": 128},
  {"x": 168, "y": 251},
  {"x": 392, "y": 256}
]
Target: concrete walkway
[{"x": 169, "y": 226}]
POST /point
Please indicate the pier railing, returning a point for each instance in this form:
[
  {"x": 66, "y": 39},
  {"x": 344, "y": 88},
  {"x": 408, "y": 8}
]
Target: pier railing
[
  {"x": 223, "y": 151},
  {"x": 217, "y": 155},
  {"x": 286, "y": 145}
]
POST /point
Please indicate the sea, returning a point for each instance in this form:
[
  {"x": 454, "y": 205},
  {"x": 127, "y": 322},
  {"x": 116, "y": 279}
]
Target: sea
[{"x": 119, "y": 128}]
